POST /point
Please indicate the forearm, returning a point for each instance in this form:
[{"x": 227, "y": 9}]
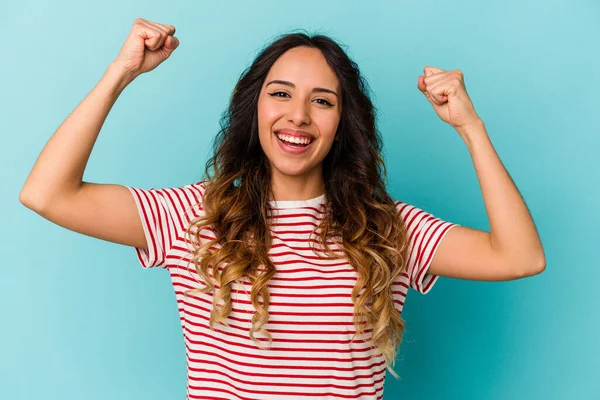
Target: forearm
[
  {"x": 60, "y": 166},
  {"x": 512, "y": 230}
]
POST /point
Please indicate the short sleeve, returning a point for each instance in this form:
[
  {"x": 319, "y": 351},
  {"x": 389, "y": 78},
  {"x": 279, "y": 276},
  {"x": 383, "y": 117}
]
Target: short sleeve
[
  {"x": 425, "y": 232},
  {"x": 164, "y": 214}
]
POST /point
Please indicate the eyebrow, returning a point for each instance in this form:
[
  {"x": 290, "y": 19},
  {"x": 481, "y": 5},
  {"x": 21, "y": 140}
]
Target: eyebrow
[{"x": 317, "y": 89}]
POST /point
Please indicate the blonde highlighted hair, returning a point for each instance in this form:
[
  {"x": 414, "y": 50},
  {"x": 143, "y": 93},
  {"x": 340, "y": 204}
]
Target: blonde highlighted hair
[{"x": 358, "y": 209}]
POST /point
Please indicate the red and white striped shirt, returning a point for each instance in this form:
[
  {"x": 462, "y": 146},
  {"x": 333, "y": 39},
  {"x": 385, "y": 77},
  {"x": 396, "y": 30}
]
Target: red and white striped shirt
[{"x": 310, "y": 312}]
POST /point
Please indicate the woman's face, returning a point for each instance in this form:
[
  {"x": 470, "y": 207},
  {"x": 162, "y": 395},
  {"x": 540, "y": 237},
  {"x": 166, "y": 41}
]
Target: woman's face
[{"x": 301, "y": 93}]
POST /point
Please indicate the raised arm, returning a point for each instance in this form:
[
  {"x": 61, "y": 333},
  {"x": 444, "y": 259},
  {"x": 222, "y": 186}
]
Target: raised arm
[{"x": 55, "y": 188}]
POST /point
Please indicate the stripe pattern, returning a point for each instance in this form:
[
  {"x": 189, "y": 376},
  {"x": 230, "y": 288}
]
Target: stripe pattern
[{"x": 310, "y": 312}]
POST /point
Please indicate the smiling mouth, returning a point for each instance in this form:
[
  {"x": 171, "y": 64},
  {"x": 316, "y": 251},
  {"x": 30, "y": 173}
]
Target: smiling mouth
[{"x": 292, "y": 144}]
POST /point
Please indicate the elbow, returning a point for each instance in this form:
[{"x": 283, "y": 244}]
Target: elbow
[
  {"x": 23, "y": 199},
  {"x": 541, "y": 266},
  {"x": 533, "y": 267},
  {"x": 28, "y": 200}
]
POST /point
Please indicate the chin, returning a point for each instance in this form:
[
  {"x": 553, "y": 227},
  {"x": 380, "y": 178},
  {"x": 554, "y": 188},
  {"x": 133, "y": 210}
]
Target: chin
[{"x": 291, "y": 170}]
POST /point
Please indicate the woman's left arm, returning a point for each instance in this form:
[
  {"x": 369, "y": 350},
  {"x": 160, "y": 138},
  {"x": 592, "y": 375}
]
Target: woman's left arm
[{"x": 513, "y": 248}]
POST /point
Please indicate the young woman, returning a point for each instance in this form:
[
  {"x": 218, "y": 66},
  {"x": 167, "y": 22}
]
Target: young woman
[{"x": 290, "y": 261}]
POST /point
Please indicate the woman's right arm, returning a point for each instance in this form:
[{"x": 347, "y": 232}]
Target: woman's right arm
[{"x": 55, "y": 188}]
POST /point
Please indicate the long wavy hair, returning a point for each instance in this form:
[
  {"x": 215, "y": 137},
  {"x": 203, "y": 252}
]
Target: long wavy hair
[{"x": 358, "y": 209}]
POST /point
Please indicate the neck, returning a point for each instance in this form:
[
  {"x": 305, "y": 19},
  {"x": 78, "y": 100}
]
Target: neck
[{"x": 297, "y": 187}]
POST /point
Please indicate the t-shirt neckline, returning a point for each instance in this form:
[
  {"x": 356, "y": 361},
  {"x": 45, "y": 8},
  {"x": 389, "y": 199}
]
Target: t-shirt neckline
[{"x": 315, "y": 201}]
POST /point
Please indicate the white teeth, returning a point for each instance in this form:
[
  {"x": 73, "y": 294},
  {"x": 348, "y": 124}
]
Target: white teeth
[{"x": 292, "y": 139}]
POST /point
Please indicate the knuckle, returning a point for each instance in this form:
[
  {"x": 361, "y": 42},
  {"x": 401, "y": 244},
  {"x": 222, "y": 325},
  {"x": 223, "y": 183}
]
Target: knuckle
[{"x": 157, "y": 34}]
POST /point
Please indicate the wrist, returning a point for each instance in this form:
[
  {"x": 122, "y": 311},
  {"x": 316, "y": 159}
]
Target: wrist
[
  {"x": 472, "y": 130},
  {"x": 119, "y": 76}
]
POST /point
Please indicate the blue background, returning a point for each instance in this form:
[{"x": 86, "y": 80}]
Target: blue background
[{"x": 82, "y": 320}]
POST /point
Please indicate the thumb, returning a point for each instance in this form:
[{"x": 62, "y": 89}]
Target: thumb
[
  {"x": 164, "y": 52},
  {"x": 421, "y": 83},
  {"x": 429, "y": 70},
  {"x": 421, "y": 87},
  {"x": 171, "y": 43}
]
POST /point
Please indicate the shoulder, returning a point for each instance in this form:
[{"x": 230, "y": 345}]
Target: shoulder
[
  {"x": 409, "y": 212},
  {"x": 416, "y": 218}
]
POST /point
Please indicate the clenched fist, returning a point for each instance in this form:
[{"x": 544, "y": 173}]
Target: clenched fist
[
  {"x": 147, "y": 45},
  {"x": 447, "y": 93}
]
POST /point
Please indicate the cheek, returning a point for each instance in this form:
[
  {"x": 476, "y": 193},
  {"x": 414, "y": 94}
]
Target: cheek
[
  {"x": 328, "y": 125},
  {"x": 267, "y": 114}
]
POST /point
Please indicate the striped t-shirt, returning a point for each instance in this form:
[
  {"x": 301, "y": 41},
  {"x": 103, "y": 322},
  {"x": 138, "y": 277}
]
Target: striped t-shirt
[{"x": 310, "y": 311}]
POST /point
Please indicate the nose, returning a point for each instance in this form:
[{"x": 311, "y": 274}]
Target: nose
[{"x": 298, "y": 113}]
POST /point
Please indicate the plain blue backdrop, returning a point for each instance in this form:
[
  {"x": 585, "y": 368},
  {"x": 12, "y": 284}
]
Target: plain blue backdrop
[{"x": 82, "y": 320}]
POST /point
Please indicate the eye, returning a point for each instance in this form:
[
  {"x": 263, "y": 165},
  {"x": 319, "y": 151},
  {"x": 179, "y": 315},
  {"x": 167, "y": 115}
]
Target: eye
[
  {"x": 274, "y": 94},
  {"x": 325, "y": 102}
]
